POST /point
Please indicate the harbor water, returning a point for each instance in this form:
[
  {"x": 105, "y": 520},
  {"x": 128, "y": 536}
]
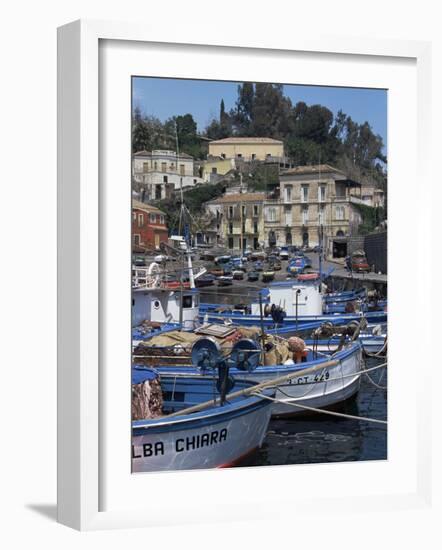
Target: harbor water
[
  {"x": 324, "y": 438},
  {"x": 319, "y": 438}
]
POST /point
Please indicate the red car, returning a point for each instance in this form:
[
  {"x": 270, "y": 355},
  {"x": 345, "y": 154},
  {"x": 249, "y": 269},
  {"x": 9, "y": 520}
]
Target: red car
[{"x": 359, "y": 263}]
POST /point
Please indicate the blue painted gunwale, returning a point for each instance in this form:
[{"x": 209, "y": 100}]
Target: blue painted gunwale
[
  {"x": 335, "y": 318},
  {"x": 240, "y": 406},
  {"x": 275, "y": 370}
]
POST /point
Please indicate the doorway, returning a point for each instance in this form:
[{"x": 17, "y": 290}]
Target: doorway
[{"x": 339, "y": 249}]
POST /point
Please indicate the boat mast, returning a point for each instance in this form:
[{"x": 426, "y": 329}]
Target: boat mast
[
  {"x": 179, "y": 223},
  {"x": 241, "y": 247},
  {"x": 182, "y": 215},
  {"x": 320, "y": 227}
]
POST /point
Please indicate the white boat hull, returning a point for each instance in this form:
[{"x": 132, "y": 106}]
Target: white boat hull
[
  {"x": 322, "y": 389},
  {"x": 215, "y": 445}
]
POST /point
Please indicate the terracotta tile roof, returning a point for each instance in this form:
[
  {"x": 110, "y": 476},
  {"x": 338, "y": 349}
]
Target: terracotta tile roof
[
  {"x": 314, "y": 169},
  {"x": 238, "y": 197},
  {"x": 246, "y": 140},
  {"x": 146, "y": 207}
]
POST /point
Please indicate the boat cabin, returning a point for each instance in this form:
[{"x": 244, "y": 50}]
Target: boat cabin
[
  {"x": 299, "y": 297},
  {"x": 159, "y": 305}
]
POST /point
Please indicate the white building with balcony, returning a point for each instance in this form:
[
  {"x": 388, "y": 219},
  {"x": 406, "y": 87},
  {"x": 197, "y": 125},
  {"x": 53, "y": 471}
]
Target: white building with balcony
[
  {"x": 161, "y": 172},
  {"x": 310, "y": 201}
]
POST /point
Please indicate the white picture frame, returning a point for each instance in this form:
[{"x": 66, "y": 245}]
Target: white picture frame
[{"x": 82, "y": 399}]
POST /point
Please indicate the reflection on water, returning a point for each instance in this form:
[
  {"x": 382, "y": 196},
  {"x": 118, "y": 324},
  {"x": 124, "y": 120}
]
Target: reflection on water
[{"x": 323, "y": 438}]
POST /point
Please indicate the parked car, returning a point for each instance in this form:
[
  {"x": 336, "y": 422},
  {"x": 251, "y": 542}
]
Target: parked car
[
  {"x": 268, "y": 276},
  {"x": 205, "y": 280},
  {"x": 284, "y": 253},
  {"x": 224, "y": 259},
  {"x": 216, "y": 271},
  {"x": 272, "y": 250},
  {"x": 225, "y": 280},
  {"x": 238, "y": 262},
  {"x": 258, "y": 255},
  {"x": 238, "y": 275},
  {"x": 207, "y": 255},
  {"x": 358, "y": 262},
  {"x": 253, "y": 276},
  {"x": 296, "y": 265},
  {"x": 139, "y": 261}
]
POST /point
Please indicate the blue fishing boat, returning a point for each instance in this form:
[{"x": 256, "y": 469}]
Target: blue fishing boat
[
  {"x": 294, "y": 302},
  {"x": 217, "y": 435},
  {"x": 207, "y": 279},
  {"x": 333, "y": 377},
  {"x": 345, "y": 295},
  {"x": 350, "y": 305},
  {"x": 296, "y": 265},
  {"x": 225, "y": 280},
  {"x": 370, "y": 341}
]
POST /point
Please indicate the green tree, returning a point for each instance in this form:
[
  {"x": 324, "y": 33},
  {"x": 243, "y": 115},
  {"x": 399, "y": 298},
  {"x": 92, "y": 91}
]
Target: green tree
[
  {"x": 312, "y": 123},
  {"x": 185, "y": 127},
  {"x": 225, "y": 122},
  {"x": 141, "y": 138},
  {"x": 271, "y": 111},
  {"x": 243, "y": 113}
]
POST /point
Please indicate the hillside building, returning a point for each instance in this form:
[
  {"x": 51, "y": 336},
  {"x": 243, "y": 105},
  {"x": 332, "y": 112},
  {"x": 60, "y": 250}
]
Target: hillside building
[
  {"x": 310, "y": 201},
  {"x": 248, "y": 149},
  {"x": 149, "y": 227},
  {"x": 161, "y": 172}
]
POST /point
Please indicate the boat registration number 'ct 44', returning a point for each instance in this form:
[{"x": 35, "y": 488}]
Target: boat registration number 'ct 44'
[
  {"x": 180, "y": 445},
  {"x": 320, "y": 377}
]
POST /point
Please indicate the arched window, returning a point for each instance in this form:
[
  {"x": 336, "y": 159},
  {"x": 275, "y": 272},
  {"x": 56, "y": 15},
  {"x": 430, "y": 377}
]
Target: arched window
[
  {"x": 288, "y": 238},
  {"x": 339, "y": 233},
  {"x": 305, "y": 239}
]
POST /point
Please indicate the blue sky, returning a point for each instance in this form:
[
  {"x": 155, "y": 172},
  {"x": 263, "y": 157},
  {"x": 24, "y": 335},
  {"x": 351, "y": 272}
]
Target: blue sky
[{"x": 165, "y": 97}]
